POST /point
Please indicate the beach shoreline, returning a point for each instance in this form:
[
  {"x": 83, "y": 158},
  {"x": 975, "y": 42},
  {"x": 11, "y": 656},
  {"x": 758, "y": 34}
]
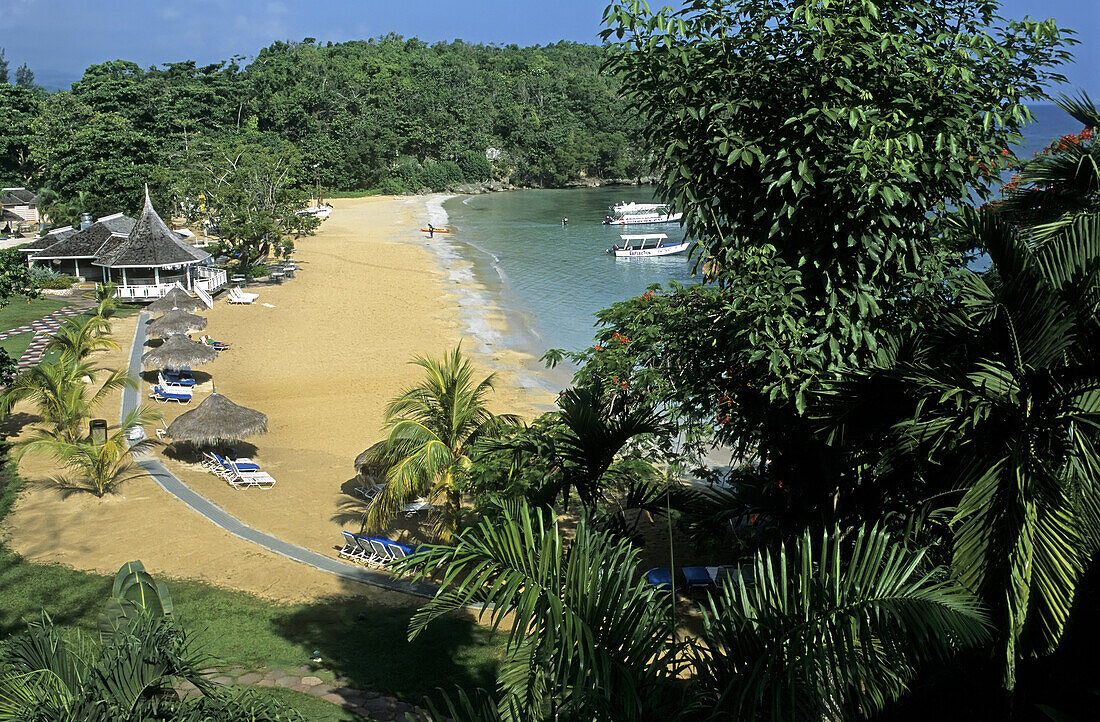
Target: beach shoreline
[{"x": 321, "y": 355}]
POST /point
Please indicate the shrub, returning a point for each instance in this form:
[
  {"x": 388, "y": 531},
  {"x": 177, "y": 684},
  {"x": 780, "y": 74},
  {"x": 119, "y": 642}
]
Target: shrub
[
  {"x": 438, "y": 175},
  {"x": 475, "y": 166},
  {"x": 49, "y": 278}
]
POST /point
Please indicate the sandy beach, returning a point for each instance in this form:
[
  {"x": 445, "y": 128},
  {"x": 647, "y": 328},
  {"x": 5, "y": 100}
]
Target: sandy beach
[{"x": 321, "y": 355}]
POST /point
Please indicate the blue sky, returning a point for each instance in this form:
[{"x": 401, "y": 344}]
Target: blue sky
[{"x": 59, "y": 38}]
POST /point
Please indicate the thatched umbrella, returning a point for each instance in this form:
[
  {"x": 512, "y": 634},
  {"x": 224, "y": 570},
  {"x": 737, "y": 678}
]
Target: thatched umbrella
[
  {"x": 174, "y": 323},
  {"x": 368, "y": 465},
  {"x": 175, "y": 300},
  {"x": 215, "y": 420},
  {"x": 179, "y": 352}
]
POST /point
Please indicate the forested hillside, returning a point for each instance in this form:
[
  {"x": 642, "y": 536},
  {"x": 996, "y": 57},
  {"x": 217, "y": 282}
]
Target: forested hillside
[{"x": 385, "y": 114}]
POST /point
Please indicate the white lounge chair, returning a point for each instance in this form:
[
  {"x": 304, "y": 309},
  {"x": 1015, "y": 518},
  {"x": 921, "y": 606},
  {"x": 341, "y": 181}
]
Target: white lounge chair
[
  {"x": 181, "y": 395},
  {"x": 237, "y": 296},
  {"x": 417, "y": 506},
  {"x": 247, "y": 477}
]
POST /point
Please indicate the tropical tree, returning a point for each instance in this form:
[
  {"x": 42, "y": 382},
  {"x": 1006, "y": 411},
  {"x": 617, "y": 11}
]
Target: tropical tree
[
  {"x": 250, "y": 189},
  {"x": 1062, "y": 183},
  {"x": 81, "y": 336},
  {"x": 824, "y": 628},
  {"x": 61, "y": 397},
  {"x": 96, "y": 467},
  {"x": 587, "y": 639},
  {"x": 15, "y": 280},
  {"x": 998, "y": 403},
  {"x": 585, "y": 446},
  {"x": 128, "y": 674},
  {"x": 432, "y": 429}
]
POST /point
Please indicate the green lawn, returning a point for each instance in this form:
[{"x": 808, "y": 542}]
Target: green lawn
[
  {"x": 362, "y": 641},
  {"x": 20, "y": 312},
  {"x": 16, "y": 345}
]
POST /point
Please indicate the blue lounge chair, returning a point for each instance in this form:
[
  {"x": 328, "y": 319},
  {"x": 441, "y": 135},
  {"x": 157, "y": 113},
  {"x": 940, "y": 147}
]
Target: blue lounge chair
[
  {"x": 241, "y": 464},
  {"x": 160, "y": 394},
  {"x": 398, "y": 551},
  {"x": 351, "y": 548},
  {"x": 660, "y": 577},
  {"x": 178, "y": 378},
  {"x": 697, "y": 578}
]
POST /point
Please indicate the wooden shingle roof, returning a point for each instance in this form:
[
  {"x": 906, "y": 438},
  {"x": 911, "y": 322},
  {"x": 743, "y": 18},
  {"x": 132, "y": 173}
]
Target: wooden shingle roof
[{"x": 149, "y": 244}]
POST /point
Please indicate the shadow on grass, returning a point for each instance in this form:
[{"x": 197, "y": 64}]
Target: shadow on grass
[{"x": 367, "y": 642}]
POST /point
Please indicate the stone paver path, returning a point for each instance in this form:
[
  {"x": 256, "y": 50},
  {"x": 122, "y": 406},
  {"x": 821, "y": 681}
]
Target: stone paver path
[
  {"x": 42, "y": 329},
  {"x": 369, "y": 705}
]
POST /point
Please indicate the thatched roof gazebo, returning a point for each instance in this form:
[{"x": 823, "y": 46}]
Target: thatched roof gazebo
[
  {"x": 369, "y": 466},
  {"x": 217, "y": 419},
  {"x": 179, "y": 352},
  {"x": 175, "y": 300},
  {"x": 174, "y": 323}
]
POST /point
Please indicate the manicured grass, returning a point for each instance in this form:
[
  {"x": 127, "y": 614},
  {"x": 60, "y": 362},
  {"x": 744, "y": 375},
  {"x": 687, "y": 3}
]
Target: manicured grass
[
  {"x": 17, "y": 345},
  {"x": 360, "y": 640},
  {"x": 20, "y": 312}
]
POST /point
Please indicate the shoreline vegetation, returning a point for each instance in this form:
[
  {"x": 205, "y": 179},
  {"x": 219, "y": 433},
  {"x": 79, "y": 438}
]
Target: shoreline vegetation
[
  {"x": 908, "y": 523},
  {"x": 374, "y": 116}
]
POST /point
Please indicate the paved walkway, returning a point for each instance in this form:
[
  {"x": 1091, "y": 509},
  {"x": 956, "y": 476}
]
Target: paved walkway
[
  {"x": 317, "y": 682},
  {"x": 43, "y": 328},
  {"x": 198, "y": 503}
]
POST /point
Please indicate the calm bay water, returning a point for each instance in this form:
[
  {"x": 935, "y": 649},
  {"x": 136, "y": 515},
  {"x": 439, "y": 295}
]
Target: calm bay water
[{"x": 553, "y": 279}]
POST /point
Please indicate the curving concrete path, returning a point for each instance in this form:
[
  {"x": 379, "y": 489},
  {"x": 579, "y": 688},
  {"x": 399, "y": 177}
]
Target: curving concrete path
[{"x": 200, "y": 504}]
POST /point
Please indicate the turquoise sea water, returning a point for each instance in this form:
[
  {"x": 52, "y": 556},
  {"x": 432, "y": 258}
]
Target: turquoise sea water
[{"x": 550, "y": 280}]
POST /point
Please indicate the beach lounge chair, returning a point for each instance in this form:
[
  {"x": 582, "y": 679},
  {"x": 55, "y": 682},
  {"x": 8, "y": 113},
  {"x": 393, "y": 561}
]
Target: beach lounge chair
[
  {"x": 247, "y": 474},
  {"x": 179, "y": 396},
  {"x": 417, "y": 506},
  {"x": 177, "y": 377},
  {"x": 698, "y": 578},
  {"x": 369, "y": 492},
  {"x": 167, "y": 384},
  {"x": 237, "y": 296},
  {"x": 660, "y": 577},
  {"x": 381, "y": 548},
  {"x": 351, "y": 549},
  {"x": 242, "y": 296},
  {"x": 162, "y": 430},
  {"x": 219, "y": 345},
  {"x": 398, "y": 551}
]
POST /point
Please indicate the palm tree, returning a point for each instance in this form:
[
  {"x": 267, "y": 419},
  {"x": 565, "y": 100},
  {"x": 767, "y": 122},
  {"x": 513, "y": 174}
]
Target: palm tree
[
  {"x": 128, "y": 677},
  {"x": 82, "y": 336},
  {"x": 999, "y": 403},
  {"x": 828, "y": 629},
  {"x": 1062, "y": 185},
  {"x": 584, "y": 443},
  {"x": 432, "y": 428},
  {"x": 587, "y": 639},
  {"x": 99, "y": 468},
  {"x": 62, "y": 399}
]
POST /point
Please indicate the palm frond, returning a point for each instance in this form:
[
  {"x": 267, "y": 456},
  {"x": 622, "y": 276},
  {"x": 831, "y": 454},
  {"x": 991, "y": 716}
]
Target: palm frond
[{"x": 829, "y": 630}]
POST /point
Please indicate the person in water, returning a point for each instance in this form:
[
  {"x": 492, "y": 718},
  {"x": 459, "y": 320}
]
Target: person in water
[
  {"x": 431, "y": 231},
  {"x": 564, "y": 222}
]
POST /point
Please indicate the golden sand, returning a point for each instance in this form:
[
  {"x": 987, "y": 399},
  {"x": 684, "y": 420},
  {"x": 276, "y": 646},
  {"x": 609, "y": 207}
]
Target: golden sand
[{"x": 321, "y": 355}]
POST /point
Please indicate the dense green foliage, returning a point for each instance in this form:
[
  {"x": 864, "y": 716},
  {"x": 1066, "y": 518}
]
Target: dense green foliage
[
  {"x": 814, "y": 145},
  {"x": 390, "y": 114}
]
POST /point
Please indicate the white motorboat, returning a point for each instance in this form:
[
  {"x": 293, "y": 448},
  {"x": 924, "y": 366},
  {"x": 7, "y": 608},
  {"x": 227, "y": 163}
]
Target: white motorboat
[
  {"x": 632, "y": 207},
  {"x": 656, "y": 214},
  {"x": 652, "y": 244}
]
